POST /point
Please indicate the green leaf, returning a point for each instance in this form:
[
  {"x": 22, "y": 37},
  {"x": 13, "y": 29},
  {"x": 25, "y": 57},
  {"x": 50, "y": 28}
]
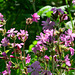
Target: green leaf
[
  {"x": 35, "y": 42},
  {"x": 42, "y": 12},
  {"x": 48, "y": 14},
  {"x": 63, "y": 65},
  {"x": 17, "y": 70},
  {"x": 6, "y": 51},
  {"x": 30, "y": 47}
]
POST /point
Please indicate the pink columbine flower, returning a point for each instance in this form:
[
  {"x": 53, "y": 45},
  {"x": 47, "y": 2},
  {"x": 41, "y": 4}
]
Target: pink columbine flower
[
  {"x": 46, "y": 57},
  {"x": 35, "y": 17},
  {"x": 28, "y": 59},
  {"x": 73, "y": 1},
  {"x": 67, "y": 60},
  {"x": 72, "y": 51}
]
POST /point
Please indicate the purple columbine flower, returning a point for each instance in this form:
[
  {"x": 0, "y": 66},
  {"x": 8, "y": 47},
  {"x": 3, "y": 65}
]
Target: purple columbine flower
[
  {"x": 67, "y": 60},
  {"x": 35, "y": 68},
  {"x": 48, "y": 24},
  {"x": 55, "y": 10},
  {"x": 35, "y": 17},
  {"x": 5, "y": 42},
  {"x": 11, "y": 32},
  {"x": 73, "y": 1},
  {"x": 72, "y": 51},
  {"x": 1, "y": 17},
  {"x": 28, "y": 59}
]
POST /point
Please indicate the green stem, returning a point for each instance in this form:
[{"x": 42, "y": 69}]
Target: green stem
[
  {"x": 33, "y": 4},
  {"x": 15, "y": 52},
  {"x": 70, "y": 15},
  {"x": 52, "y": 65}
]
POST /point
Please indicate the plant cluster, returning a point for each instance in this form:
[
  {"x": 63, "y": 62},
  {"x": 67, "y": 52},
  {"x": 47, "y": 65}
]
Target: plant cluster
[{"x": 55, "y": 46}]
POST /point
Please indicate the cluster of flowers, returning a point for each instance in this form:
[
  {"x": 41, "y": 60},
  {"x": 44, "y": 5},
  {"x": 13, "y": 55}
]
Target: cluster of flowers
[
  {"x": 49, "y": 40},
  {"x": 53, "y": 40},
  {"x": 12, "y": 34}
]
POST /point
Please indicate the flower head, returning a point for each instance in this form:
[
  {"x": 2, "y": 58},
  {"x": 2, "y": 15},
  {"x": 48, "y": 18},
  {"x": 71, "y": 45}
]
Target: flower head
[
  {"x": 35, "y": 17},
  {"x": 73, "y": 1},
  {"x": 67, "y": 60},
  {"x": 23, "y": 35},
  {"x": 4, "y": 54},
  {"x": 5, "y": 41},
  {"x": 46, "y": 57},
  {"x": 1, "y": 17},
  {"x": 48, "y": 24},
  {"x": 35, "y": 68},
  {"x": 11, "y": 32},
  {"x": 55, "y": 10},
  {"x": 72, "y": 51},
  {"x": 28, "y": 59},
  {"x": 5, "y": 72}
]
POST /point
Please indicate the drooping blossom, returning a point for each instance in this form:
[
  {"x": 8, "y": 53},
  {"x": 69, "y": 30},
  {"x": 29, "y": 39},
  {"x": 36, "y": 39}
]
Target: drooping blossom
[
  {"x": 1, "y": 17},
  {"x": 55, "y": 10},
  {"x": 72, "y": 51},
  {"x": 65, "y": 17},
  {"x": 28, "y": 59},
  {"x": 11, "y": 56},
  {"x": 73, "y": 1},
  {"x": 67, "y": 60},
  {"x": 55, "y": 57},
  {"x": 29, "y": 21},
  {"x": 46, "y": 57},
  {"x": 34, "y": 68},
  {"x": 5, "y": 42},
  {"x": 11, "y": 32},
  {"x": 23, "y": 35},
  {"x": 35, "y": 17},
  {"x": 48, "y": 24}
]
